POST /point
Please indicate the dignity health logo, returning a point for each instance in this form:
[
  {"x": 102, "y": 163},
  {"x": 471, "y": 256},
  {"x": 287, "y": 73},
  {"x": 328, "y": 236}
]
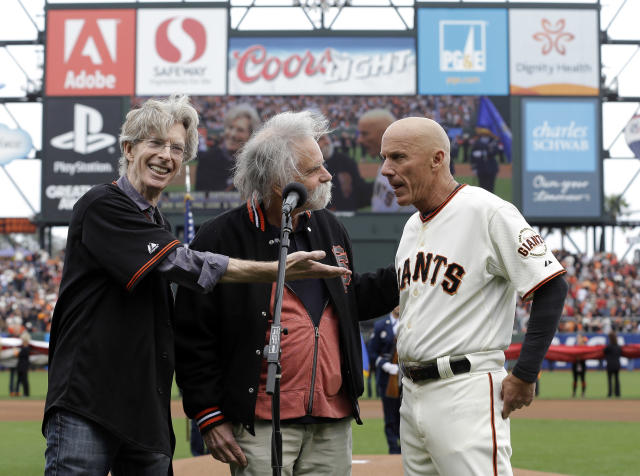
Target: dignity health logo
[
  {"x": 553, "y": 37},
  {"x": 463, "y": 45}
]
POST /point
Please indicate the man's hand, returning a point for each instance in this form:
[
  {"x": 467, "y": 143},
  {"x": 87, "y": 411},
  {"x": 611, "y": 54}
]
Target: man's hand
[
  {"x": 515, "y": 394},
  {"x": 223, "y": 445},
  {"x": 304, "y": 265}
]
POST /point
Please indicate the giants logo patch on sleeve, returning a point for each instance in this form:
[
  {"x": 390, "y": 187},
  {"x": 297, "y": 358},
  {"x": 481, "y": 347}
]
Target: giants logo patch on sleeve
[
  {"x": 343, "y": 261},
  {"x": 531, "y": 243}
]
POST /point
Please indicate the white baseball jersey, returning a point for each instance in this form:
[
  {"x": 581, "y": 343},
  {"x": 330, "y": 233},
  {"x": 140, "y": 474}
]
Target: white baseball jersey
[
  {"x": 459, "y": 269},
  {"x": 384, "y": 198}
]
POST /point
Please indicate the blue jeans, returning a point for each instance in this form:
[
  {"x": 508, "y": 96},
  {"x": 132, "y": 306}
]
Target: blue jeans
[{"x": 78, "y": 446}]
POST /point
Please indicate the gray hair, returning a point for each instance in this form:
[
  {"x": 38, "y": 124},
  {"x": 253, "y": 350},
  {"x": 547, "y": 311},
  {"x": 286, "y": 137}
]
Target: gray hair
[
  {"x": 270, "y": 157},
  {"x": 157, "y": 116},
  {"x": 243, "y": 110}
]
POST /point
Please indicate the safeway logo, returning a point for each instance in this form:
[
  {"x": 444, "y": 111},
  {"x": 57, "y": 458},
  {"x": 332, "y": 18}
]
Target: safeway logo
[
  {"x": 181, "y": 50},
  {"x": 173, "y": 47},
  {"x": 87, "y": 136},
  {"x": 553, "y": 37},
  {"x": 90, "y": 52}
]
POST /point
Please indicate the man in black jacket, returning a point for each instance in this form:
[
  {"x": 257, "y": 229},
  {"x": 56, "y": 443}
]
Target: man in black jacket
[{"x": 220, "y": 338}]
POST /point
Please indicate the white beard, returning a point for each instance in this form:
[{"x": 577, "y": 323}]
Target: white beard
[{"x": 319, "y": 198}]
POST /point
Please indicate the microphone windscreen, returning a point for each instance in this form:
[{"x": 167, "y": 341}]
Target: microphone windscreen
[{"x": 297, "y": 187}]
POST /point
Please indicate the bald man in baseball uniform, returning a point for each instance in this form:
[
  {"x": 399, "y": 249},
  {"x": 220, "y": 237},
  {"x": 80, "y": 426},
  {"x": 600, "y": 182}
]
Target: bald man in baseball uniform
[{"x": 461, "y": 261}]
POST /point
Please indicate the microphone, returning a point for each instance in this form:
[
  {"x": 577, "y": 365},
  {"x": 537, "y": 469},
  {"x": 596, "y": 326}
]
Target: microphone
[{"x": 293, "y": 195}]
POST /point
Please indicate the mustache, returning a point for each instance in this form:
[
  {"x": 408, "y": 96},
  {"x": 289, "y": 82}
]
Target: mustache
[{"x": 320, "y": 197}]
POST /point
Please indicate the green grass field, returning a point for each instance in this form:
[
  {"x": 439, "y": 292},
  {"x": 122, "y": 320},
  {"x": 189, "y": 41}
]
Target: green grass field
[
  {"x": 583, "y": 448},
  {"x": 553, "y": 385}
]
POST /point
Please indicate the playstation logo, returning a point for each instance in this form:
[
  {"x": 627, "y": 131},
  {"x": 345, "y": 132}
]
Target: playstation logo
[{"x": 87, "y": 136}]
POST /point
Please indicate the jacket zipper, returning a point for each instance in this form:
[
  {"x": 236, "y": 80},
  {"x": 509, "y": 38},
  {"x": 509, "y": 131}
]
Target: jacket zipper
[
  {"x": 315, "y": 350},
  {"x": 315, "y": 362},
  {"x": 313, "y": 370}
]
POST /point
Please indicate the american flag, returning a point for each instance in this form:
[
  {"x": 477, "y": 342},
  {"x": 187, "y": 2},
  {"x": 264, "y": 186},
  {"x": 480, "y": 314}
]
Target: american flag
[{"x": 189, "y": 228}]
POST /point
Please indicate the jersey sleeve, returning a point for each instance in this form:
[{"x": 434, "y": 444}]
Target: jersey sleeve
[
  {"x": 521, "y": 254},
  {"x": 123, "y": 240}
]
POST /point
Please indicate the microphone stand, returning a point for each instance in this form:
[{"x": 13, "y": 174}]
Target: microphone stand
[{"x": 272, "y": 350}]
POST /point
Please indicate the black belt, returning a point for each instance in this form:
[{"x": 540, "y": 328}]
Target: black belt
[{"x": 429, "y": 371}]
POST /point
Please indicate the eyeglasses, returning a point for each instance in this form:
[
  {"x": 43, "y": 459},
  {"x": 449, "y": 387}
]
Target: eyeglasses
[{"x": 157, "y": 145}]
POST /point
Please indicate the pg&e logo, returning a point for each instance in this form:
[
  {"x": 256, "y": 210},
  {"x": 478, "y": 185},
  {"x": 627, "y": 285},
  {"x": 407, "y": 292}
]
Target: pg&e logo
[
  {"x": 463, "y": 45},
  {"x": 90, "y": 52}
]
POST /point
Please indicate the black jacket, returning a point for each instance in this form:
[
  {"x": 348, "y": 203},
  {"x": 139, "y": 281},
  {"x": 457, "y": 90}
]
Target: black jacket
[
  {"x": 612, "y": 354},
  {"x": 111, "y": 349},
  {"x": 220, "y": 336},
  {"x": 23, "y": 359}
]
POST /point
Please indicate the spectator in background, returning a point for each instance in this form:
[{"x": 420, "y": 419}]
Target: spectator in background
[
  {"x": 349, "y": 190},
  {"x": 215, "y": 166},
  {"x": 383, "y": 352},
  {"x": 23, "y": 365},
  {"x": 579, "y": 370},
  {"x": 484, "y": 163},
  {"x": 371, "y": 126},
  {"x": 612, "y": 353}
]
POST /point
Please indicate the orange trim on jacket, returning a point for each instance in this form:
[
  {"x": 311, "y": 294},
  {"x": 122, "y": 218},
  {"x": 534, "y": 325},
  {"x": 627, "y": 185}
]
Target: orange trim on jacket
[{"x": 149, "y": 263}]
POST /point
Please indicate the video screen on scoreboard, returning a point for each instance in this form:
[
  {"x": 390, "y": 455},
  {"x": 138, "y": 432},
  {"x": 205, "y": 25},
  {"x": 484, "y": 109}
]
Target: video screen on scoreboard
[{"x": 478, "y": 127}]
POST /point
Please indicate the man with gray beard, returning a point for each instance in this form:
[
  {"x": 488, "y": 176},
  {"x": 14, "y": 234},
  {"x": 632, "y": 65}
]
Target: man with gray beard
[{"x": 220, "y": 337}]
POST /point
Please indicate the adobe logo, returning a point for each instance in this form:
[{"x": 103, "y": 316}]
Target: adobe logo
[
  {"x": 90, "y": 52},
  {"x": 97, "y": 40},
  {"x": 173, "y": 47}
]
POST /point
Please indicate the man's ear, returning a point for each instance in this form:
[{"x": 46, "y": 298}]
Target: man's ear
[
  {"x": 438, "y": 158},
  {"x": 128, "y": 151}
]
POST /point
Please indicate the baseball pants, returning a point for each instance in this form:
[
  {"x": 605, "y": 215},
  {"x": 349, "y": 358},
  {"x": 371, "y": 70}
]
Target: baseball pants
[{"x": 454, "y": 426}]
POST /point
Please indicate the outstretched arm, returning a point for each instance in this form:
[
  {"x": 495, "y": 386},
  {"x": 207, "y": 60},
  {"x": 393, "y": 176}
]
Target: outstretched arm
[
  {"x": 201, "y": 270},
  {"x": 300, "y": 265}
]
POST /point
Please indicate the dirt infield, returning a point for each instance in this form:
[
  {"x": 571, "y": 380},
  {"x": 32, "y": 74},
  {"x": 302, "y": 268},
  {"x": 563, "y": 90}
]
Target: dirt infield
[
  {"x": 363, "y": 465},
  {"x": 375, "y": 465},
  {"x": 598, "y": 410}
]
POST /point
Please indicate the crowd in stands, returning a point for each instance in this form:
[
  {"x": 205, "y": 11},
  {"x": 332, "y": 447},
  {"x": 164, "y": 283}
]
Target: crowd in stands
[
  {"x": 28, "y": 292},
  {"x": 344, "y": 111},
  {"x": 604, "y": 294}
]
